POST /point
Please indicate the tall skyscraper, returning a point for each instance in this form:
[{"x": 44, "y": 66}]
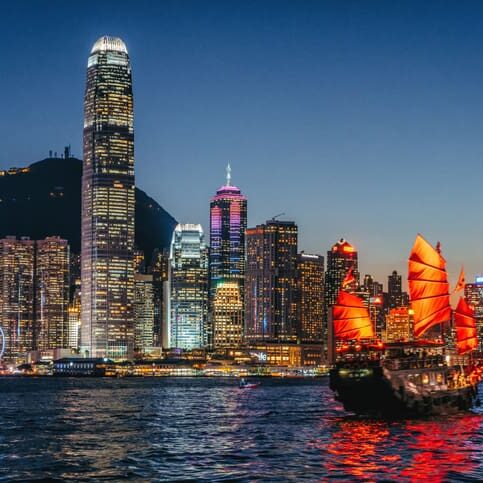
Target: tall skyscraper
[
  {"x": 17, "y": 315},
  {"x": 227, "y": 315},
  {"x": 271, "y": 281},
  {"x": 159, "y": 269},
  {"x": 52, "y": 293},
  {"x": 107, "y": 266},
  {"x": 341, "y": 258},
  {"x": 228, "y": 222},
  {"x": 394, "y": 290},
  {"x": 310, "y": 281},
  {"x": 188, "y": 280}
]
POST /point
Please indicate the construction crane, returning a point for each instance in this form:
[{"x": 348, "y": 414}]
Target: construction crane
[{"x": 277, "y": 216}]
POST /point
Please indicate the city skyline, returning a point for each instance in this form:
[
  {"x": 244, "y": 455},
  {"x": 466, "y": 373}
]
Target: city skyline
[{"x": 296, "y": 154}]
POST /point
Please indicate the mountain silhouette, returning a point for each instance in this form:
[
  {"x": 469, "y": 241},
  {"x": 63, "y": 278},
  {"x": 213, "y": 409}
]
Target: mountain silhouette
[{"x": 45, "y": 200}]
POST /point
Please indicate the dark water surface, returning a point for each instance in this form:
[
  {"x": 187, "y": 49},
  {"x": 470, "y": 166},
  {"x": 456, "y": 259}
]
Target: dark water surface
[{"x": 209, "y": 430}]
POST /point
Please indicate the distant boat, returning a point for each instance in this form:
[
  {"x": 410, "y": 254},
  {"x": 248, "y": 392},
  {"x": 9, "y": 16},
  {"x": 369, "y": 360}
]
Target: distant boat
[
  {"x": 415, "y": 378},
  {"x": 248, "y": 385}
]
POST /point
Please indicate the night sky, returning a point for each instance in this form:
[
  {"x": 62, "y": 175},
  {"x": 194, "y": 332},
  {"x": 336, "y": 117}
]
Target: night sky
[{"x": 361, "y": 120}]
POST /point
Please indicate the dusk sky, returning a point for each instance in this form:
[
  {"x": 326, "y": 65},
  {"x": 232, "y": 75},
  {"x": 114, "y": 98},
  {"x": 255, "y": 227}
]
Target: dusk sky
[{"x": 361, "y": 120}]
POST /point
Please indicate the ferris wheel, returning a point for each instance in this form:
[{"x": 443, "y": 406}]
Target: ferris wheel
[{"x": 2, "y": 342}]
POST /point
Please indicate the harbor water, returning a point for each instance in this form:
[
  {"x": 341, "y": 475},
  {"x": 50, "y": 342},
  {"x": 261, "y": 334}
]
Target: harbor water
[{"x": 208, "y": 429}]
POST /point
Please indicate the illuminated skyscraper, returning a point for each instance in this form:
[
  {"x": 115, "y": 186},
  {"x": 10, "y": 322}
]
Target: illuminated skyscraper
[
  {"x": 394, "y": 290},
  {"x": 271, "y": 282},
  {"x": 188, "y": 280},
  {"x": 52, "y": 293},
  {"x": 341, "y": 258},
  {"x": 107, "y": 266},
  {"x": 227, "y": 316},
  {"x": 17, "y": 315},
  {"x": 310, "y": 281},
  {"x": 228, "y": 222}
]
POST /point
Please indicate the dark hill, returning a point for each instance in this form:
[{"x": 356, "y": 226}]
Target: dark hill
[{"x": 45, "y": 200}]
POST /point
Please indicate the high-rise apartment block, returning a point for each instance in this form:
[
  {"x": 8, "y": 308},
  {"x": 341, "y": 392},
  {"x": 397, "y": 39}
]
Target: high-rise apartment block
[
  {"x": 34, "y": 294},
  {"x": 17, "y": 309},
  {"x": 52, "y": 289},
  {"x": 310, "y": 282},
  {"x": 143, "y": 314},
  {"x": 474, "y": 298},
  {"x": 271, "y": 281},
  {"x": 108, "y": 203}
]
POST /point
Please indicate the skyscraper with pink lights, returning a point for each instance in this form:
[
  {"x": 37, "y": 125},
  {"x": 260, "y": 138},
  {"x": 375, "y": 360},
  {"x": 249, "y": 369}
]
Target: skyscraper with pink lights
[{"x": 228, "y": 222}]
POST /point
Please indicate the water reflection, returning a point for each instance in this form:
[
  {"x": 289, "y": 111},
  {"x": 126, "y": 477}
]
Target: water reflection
[
  {"x": 443, "y": 449},
  {"x": 433, "y": 450}
]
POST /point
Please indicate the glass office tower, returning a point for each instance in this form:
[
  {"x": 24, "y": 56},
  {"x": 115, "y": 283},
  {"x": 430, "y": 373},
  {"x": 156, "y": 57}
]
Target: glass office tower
[{"x": 107, "y": 266}]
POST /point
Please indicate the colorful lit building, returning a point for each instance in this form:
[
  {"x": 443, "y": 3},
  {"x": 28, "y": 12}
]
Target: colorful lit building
[
  {"x": 271, "y": 282},
  {"x": 310, "y": 303},
  {"x": 227, "y": 315},
  {"x": 228, "y": 223},
  {"x": 107, "y": 265},
  {"x": 188, "y": 281}
]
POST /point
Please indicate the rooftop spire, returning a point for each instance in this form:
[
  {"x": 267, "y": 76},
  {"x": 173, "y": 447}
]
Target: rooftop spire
[{"x": 228, "y": 174}]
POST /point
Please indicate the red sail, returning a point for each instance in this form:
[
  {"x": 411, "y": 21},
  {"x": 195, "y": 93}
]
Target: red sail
[
  {"x": 428, "y": 287},
  {"x": 465, "y": 325},
  {"x": 351, "y": 318}
]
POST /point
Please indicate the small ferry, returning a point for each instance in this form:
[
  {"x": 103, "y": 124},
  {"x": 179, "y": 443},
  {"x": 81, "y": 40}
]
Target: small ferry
[{"x": 248, "y": 385}]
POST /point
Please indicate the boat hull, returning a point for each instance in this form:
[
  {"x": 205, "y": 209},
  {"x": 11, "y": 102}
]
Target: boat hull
[{"x": 372, "y": 391}]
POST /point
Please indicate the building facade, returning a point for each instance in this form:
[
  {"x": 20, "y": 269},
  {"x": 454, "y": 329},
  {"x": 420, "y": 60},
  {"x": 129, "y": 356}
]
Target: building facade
[
  {"x": 52, "y": 285},
  {"x": 188, "y": 282},
  {"x": 399, "y": 325},
  {"x": 227, "y": 315},
  {"x": 108, "y": 204},
  {"x": 17, "y": 314},
  {"x": 271, "y": 282},
  {"x": 143, "y": 314},
  {"x": 394, "y": 290},
  {"x": 474, "y": 298},
  {"x": 228, "y": 223},
  {"x": 34, "y": 294},
  {"x": 310, "y": 303}
]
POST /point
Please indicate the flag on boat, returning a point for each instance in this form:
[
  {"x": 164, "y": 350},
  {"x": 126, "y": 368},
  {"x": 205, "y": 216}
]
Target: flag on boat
[{"x": 460, "y": 284}]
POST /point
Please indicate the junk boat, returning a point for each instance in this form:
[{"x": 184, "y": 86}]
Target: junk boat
[{"x": 408, "y": 379}]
